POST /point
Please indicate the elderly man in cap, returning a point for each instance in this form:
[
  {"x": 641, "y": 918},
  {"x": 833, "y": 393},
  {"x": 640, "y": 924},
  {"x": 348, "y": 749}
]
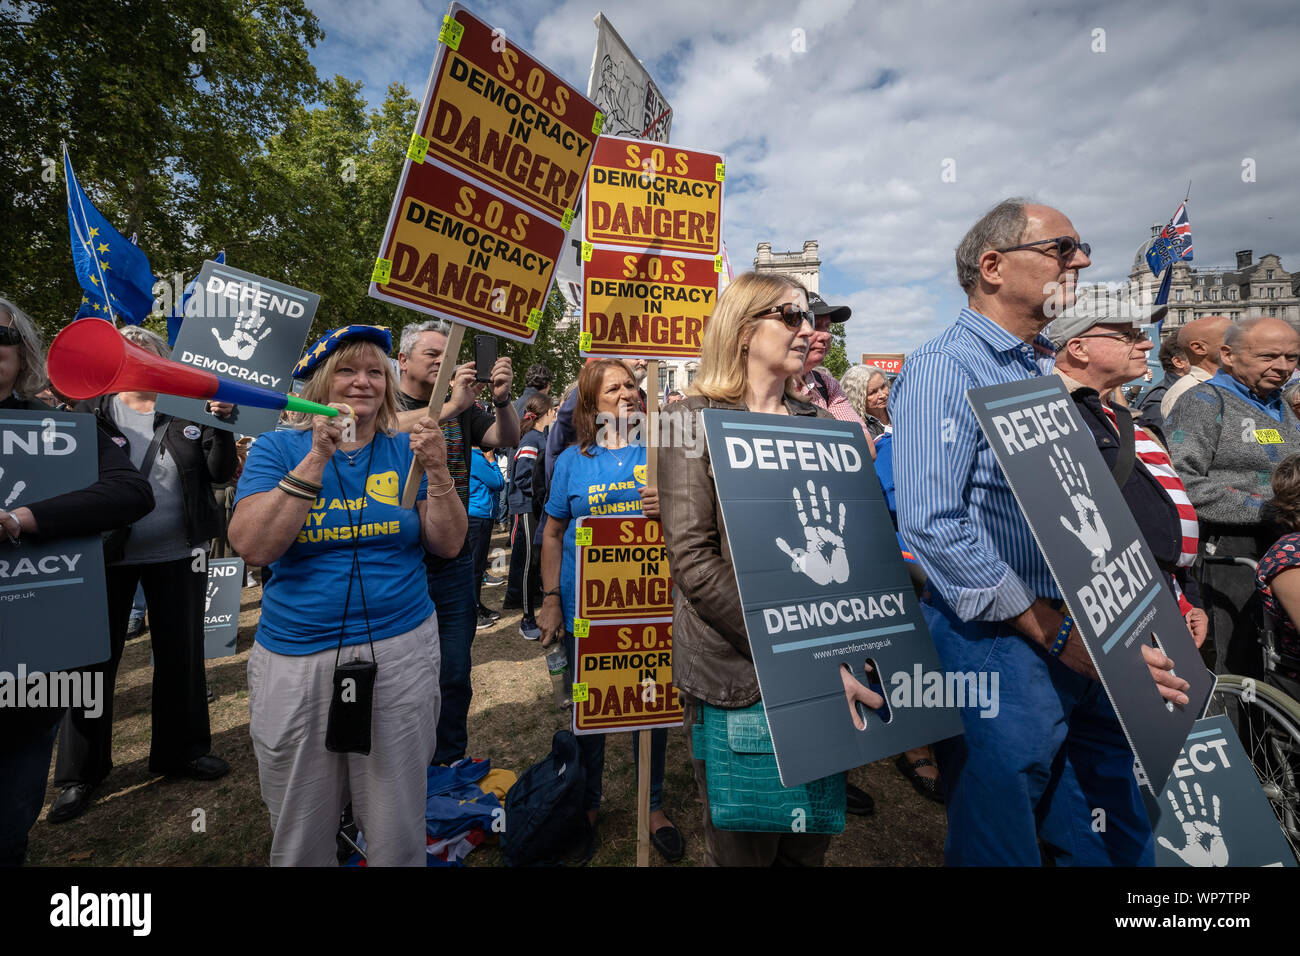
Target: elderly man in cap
[
  {"x": 1225, "y": 437},
  {"x": 821, "y": 388},
  {"x": 1034, "y": 774},
  {"x": 1096, "y": 352}
]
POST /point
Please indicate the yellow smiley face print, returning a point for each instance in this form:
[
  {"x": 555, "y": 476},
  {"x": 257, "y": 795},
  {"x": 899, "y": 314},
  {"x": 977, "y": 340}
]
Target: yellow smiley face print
[{"x": 383, "y": 488}]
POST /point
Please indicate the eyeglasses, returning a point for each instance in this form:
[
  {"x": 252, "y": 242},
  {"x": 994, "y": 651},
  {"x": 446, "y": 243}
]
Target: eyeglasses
[
  {"x": 790, "y": 314},
  {"x": 1132, "y": 336},
  {"x": 1065, "y": 247},
  {"x": 9, "y": 335}
]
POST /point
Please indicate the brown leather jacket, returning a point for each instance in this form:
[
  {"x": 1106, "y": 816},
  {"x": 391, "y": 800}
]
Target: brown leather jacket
[{"x": 711, "y": 656}]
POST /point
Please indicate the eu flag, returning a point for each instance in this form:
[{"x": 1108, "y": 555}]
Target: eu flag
[{"x": 113, "y": 272}]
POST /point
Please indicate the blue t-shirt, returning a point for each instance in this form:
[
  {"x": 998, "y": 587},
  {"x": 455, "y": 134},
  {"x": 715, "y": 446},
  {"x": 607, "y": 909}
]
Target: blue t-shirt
[
  {"x": 605, "y": 484},
  {"x": 302, "y": 607}
]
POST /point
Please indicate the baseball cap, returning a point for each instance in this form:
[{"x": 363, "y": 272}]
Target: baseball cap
[
  {"x": 1095, "y": 307},
  {"x": 819, "y": 306}
]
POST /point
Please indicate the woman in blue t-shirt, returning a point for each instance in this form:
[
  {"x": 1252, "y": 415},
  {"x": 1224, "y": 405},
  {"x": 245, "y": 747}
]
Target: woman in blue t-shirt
[
  {"x": 322, "y": 507},
  {"x": 603, "y": 458}
]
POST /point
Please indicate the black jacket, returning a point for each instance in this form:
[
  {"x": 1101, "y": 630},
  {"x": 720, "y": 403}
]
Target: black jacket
[{"x": 202, "y": 461}]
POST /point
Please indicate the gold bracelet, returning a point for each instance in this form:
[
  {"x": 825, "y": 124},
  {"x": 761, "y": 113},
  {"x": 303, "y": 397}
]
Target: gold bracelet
[{"x": 451, "y": 483}]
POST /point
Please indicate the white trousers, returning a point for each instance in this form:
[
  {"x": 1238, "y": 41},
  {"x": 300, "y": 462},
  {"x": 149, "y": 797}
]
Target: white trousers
[{"x": 305, "y": 787}]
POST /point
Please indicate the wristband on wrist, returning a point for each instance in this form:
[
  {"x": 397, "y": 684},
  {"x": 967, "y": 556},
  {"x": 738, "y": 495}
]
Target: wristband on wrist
[
  {"x": 304, "y": 484},
  {"x": 553, "y": 593},
  {"x": 294, "y": 491},
  {"x": 1062, "y": 636},
  {"x": 500, "y": 404},
  {"x": 430, "y": 493}
]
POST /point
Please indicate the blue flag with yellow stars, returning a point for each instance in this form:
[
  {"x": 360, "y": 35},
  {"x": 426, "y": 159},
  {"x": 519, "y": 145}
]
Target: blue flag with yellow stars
[{"x": 113, "y": 272}]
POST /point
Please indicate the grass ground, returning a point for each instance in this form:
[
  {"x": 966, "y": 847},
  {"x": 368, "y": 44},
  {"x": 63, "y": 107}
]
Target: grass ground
[{"x": 138, "y": 819}]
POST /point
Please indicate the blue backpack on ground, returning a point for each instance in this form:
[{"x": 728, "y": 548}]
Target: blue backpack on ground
[{"x": 545, "y": 819}]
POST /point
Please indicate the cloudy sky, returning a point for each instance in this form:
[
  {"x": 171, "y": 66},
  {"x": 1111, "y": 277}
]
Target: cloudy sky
[{"x": 840, "y": 118}]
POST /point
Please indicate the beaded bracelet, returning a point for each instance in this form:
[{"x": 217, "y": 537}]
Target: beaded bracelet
[
  {"x": 295, "y": 492},
  {"x": 1062, "y": 636}
]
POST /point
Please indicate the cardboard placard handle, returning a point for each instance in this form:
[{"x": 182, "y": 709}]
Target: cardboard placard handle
[{"x": 445, "y": 372}]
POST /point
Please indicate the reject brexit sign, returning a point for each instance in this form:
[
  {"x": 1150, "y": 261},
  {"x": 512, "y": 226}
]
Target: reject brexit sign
[
  {"x": 53, "y": 604},
  {"x": 1118, "y": 597},
  {"x": 246, "y": 328},
  {"x": 845, "y": 664},
  {"x": 1212, "y": 810},
  {"x": 648, "y": 195},
  {"x": 644, "y": 305}
]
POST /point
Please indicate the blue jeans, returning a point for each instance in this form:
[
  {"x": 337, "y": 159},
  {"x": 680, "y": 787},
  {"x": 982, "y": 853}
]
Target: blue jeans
[
  {"x": 451, "y": 585},
  {"x": 592, "y": 750},
  {"x": 24, "y": 767},
  {"x": 1041, "y": 768}
]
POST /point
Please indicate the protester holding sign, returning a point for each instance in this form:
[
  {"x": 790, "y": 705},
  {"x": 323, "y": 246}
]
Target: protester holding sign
[
  {"x": 323, "y": 509},
  {"x": 752, "y": 358},
  {"x": 121, "y": 495},
  {"x": 603, "y": 474},
  {"x": 1056, "y": 749},
  {"x": 181, "y": 460}
]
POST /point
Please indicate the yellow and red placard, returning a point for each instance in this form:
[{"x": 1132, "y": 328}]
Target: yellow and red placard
[
  {"x": 644, "y": 305},
  {"x": 464, "y": 252},
  {"x": 622, "y": 569},
  {"x": 487, "y": 193},
  {"x": 623, "y": 678},
  {"x": 653, "y": 196}
]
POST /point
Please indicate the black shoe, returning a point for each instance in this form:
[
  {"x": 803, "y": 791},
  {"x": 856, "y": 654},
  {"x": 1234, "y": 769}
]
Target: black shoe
[
  {"x": 485, "y": 619},
  {"x": 206, "y": 767},
  {"x": 669, "y": 842},
  {"x": 491, "y": 582},
  {"x": 508, "y": 605},
  {"x": 859, "y": 802},
  {"x": 71, "y": 802},
  {"x": 926, "y": 787}
]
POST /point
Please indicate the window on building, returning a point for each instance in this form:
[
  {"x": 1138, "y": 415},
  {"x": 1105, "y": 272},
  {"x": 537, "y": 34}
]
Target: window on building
[
  {"x": 1197, "y": 295},
  {"x": 663, "y": 379},
  {"x": 1232, "y": 292},
  {"x": 1272, "y": 292},
  {"x": 1178, "y": 295},
  {"x": 1268, "y": 273},
  {"x": 1214, "y": 295},
  {"x": 1182, "y": 315}
]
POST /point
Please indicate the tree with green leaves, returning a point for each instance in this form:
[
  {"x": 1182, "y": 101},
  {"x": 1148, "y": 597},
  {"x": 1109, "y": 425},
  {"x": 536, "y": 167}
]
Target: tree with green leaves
[{"x": 836, "y": 361}]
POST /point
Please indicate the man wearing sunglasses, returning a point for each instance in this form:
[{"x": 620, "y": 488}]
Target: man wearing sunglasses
[{"x": 1055, "y": 751}]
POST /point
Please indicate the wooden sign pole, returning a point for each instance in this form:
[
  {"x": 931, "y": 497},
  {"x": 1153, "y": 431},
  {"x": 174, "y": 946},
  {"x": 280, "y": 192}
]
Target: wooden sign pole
[
  {"x": 643, "y": 743},
  {"x": 445, "y": 372}
]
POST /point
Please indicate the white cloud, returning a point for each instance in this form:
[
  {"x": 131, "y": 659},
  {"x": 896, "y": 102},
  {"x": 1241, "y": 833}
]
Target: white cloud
[{"x": 845, "y": 143}]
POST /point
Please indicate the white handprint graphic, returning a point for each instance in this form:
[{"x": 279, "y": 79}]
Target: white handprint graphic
[
  {"x": 243, "y": 341},
  {"x": 822, "y": 558},
  {"x": 212, "y": 592},
  {"x": 14, "y": 492},
  {"x": 1092, "y": 533},
  {"x": 1205, "y": 846}
]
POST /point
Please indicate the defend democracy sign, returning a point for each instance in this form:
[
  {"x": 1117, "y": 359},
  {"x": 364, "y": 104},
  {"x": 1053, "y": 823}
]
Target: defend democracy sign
[
  {"x": 1212, "y": 811},
  {"x": 461, "y": 252},
  {"x": 623, "y": 677},
  {"x": 826, "y": 596},
  {"x": 55, "y": 608},
  {"x": 1118, "y": 597},
  {"x": 221, "y": 607},
  {"x": 642, "y": 305},
  {"x": 645, "y": 195},
  {"x": 622, "y": 569},
  {"x": 246, "y": 328}
]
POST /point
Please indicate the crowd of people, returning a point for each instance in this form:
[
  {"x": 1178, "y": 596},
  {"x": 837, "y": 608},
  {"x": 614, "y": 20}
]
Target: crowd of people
[{"x": 360, "y": 589}]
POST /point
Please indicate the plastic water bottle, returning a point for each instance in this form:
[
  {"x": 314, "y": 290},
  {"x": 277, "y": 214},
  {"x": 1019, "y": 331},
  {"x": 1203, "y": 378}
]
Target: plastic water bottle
[{"x": 556, "y": 663}]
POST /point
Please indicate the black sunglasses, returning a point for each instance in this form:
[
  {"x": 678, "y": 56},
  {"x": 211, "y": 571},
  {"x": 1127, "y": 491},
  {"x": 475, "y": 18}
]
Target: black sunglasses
[
  {"x": 9, "y": 335},
  {"x": 1065, "y": 247},
  {"x": 790, "y": 314}
]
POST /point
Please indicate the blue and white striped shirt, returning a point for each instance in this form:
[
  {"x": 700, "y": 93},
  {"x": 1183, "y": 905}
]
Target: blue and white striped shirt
[{"x": 955, "y": 508}]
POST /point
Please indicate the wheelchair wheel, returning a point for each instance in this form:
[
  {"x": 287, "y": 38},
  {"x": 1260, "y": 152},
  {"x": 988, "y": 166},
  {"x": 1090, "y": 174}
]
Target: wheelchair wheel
[{"x": 1268, "y": 725}]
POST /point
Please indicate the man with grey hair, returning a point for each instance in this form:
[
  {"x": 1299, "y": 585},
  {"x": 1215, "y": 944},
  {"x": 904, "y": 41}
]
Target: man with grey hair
[
  {"x": 451, "y": 580},
  {"x": 1225, "y": 438},
  {"x": 1055, "y": 751},
  {"x": 1201, "y": 339}
]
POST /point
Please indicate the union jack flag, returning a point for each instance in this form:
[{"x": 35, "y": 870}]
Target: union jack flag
[{"x": 1174, "y": 243}]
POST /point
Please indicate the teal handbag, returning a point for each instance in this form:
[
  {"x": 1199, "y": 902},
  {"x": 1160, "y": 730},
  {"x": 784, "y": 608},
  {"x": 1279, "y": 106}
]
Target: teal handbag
[{"x": 745, "y": 791}]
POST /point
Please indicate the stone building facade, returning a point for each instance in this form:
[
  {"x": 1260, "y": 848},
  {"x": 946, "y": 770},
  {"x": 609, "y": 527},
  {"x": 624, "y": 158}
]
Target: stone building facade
[{"x": 1253, "y": 287}]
